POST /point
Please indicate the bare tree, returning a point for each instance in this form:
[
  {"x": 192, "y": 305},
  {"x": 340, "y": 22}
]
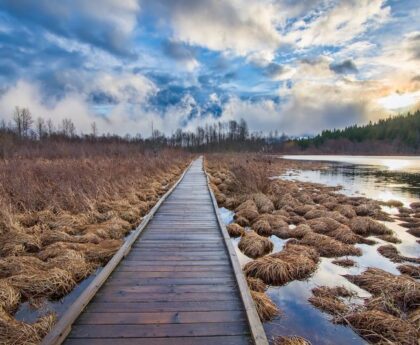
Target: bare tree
[
  {"x": 40, "y": 127},
  {"x": 68, "y": 128},
  {"x": 23, "y": 121},
  {"x": 50, "y": 127},
  {"x": 94, "y": 129}
]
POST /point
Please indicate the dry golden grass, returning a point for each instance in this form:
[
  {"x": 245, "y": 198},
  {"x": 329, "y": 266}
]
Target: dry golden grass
[
  {"x": 262, "y": 227},
  {"x": 329, "y": 247},
  {"x": 293, "y": 340},
  {"x": 62, "y": 216},
  {"x": 327, "y": 299},
  {"x": 389, "y": 238},
  {"x": 235, "y": 230},
  {"x": 13, "y": 332},
  {"x": 410, "y": 270},
  {"x": 256, "y": 284},
  {"x": 254, "y": 245},
  {"x": 328, "y": 224},
  {"x": 344, "y": 262},
  {"x": 382, "y": 328},
  {"x": 366, "y": 226},
  {"x": 293, "y": 262},
  {"x": 415, "y": 232},
  {"x": 9, "y": 296},
  {"x": 298, "y": 232},
  {"x": 266, "y": 308},
  {"x": 398, "y": 294},
  {"x": 392, "y": 253}
]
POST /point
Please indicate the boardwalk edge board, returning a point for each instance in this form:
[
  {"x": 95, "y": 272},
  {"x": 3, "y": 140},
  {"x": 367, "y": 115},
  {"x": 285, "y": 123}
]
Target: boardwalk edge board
[
  {"x": 62, "y": 328},
  {"x": 257, "y": 330}
]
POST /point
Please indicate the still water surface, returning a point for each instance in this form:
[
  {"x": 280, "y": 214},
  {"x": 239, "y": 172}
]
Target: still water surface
[{"x": 380, "y": 178}]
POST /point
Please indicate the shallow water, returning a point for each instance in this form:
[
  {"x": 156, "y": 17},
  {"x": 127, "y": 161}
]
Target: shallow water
[
  {"x": 375, "y": 181},
  {"x": 28, "y": 314}
]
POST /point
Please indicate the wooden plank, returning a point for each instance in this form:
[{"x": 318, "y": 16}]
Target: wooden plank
[
  {"x": 218, "y": 340},
  {"x": 160, "y": 318},
  {"x": 107, "y": 307},
  {"x": 165, "y": 297},
  {"x": 176, "y": 263},
  {"x": 168, "y": 288},
  {"x": 169, "y": 268},
  {"x": 178, "y": 257},
  {"x": 179, "y": 275},
  {"x": 169, "y": 281},
  {"x": 160, "y": 330}
]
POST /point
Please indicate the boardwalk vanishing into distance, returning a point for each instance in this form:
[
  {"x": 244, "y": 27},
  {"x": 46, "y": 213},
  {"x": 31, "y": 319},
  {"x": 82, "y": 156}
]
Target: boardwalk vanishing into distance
[{"x": 179, "y": 282}]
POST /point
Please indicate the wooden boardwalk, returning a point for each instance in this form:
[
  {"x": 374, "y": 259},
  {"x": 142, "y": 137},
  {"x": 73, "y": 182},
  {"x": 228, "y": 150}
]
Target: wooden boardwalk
[{"x": 179, "y": 284}]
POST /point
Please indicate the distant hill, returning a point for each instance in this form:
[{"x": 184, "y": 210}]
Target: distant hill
[{"x": 395, "y": 135}]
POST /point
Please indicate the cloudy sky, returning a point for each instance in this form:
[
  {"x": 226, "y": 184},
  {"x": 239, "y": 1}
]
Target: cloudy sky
[{"x": 295, "y": 66}]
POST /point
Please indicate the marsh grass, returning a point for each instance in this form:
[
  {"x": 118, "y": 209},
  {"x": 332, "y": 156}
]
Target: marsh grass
[
  {"x": 64, "y": 211},
  {"x": 293, "y": 340}
]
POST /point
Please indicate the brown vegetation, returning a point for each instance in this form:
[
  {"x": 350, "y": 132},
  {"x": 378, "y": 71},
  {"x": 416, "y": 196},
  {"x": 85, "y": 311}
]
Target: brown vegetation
[
  {"x": 17, "y": 332},
  {"x": 293, "y": 340},
  {"x": 414, "y": 231},
  {"x": 328, "y": 246},
  {"x": 410, "y": 270},
  {"x": 256, "y": 284},
  {"x": 391, "y": 314},
  {"x": 254, "y": 245},
  {"x": 235, "y": 230},
  {"x": 382, "y": 328},
  {"x": 396, "y": 295},
  {"x": 344, "y": 262},
  {"x": 392, "y": 253},
  {"x": 266, "y": 309},
  {"x": 65, "y": 213},
  {"x": 328, "y": 224},
  {"x": 293, "y": 262},
  {"x": 327, "y": 299}
]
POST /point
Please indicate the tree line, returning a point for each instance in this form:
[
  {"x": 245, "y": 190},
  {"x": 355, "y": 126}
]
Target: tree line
[
  {"x": 401, "y": 130},
  {"x": 219, "y": 136}
]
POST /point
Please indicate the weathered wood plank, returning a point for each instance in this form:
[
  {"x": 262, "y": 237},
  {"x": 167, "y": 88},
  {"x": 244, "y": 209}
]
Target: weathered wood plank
[
  {"x": 109, "y": 307},
  {"x": 218, "y": 340},
  {"x": 160, "y": 318},
  {"x": 160, "y": 330}
]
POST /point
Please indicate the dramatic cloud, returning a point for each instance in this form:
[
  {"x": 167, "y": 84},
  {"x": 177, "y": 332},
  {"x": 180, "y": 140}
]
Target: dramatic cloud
[
  {"x": 107, "y": 24},
  {"x": 295, "y": 66},
  {"x": 343, "y": 22},
  {"x": 240, "y": 26}
]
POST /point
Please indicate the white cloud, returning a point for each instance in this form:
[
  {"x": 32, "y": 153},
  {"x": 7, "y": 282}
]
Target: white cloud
[
  {"x": 340, "y": 24},
  {"x": 124, "y": 88},
  {"x": 28, "y": 95},
  {"x": 238, "y": 26}
]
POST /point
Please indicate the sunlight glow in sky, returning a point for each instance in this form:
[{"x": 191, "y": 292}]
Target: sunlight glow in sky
[
  {"x": 295, "y": 66},
  {"x": 398, "y": 101}
]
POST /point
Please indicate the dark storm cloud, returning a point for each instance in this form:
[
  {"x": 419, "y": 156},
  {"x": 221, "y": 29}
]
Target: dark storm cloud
[
  {"x": 178, "y": 50},
  {"x": 75, "y": 20},
  {"x": 344, "y": 67}
]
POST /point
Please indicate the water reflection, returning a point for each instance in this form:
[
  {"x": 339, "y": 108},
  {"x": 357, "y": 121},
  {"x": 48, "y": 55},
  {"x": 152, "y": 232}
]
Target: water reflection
[
  {"x": 390, "y": 163},
  {"x": 385, "y": 179}
]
